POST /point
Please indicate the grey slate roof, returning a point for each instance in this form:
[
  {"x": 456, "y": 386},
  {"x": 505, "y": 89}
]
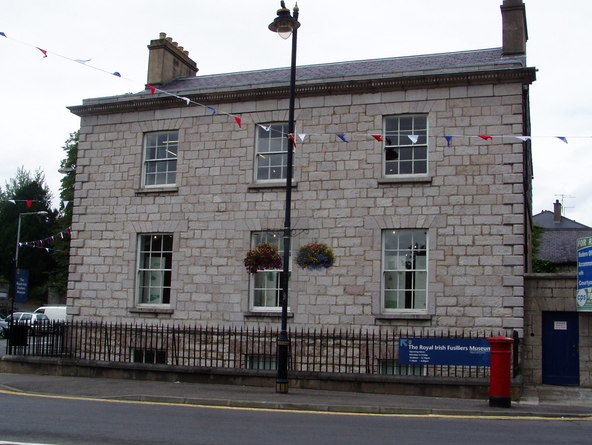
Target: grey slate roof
[
  {"x": 559, "y": 246},
  {"x": 558, "y": 241},
  {"x": 422, "y": 64},
  {"x": 546, "y": 219}
]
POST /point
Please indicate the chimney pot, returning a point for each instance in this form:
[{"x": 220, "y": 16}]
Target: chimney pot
[
  {"x": 557, "y": 212},
  {"x": 514, "y": 29},
  {"x": 167, "y": 61}
]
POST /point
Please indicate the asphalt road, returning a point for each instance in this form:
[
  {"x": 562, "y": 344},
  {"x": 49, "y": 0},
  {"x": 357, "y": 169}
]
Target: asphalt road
[{"x": 58, "y": 420}]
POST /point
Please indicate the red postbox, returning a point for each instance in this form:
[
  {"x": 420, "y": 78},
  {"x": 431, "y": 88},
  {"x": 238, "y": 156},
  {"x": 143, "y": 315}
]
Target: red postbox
[{"x": 500, "y": 371}]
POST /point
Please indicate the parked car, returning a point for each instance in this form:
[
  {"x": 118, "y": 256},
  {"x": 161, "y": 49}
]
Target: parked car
[
  {"x": 37, "y": 323},
  {"x": 3, "y": 327},
  {"x": 56, "y": 313}
]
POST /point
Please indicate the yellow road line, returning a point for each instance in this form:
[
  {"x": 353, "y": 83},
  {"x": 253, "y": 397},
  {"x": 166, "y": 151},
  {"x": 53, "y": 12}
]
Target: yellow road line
[{"x": 297, "y": 411}]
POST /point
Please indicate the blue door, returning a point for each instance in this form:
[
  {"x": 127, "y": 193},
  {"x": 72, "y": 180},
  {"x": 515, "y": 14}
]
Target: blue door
[{"x": 561, "y": 359}]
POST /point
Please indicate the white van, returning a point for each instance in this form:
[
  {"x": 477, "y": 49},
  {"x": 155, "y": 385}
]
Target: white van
[{"x": 54, "y": 313}]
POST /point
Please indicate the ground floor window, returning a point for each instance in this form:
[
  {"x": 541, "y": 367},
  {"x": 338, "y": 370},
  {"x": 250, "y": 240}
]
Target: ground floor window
[
  {"x": 265, "y": 284},
  {"x": 155, "y": 258},
  {"x": 404, "y": 254},
  {"x": 150, "y": 356}
]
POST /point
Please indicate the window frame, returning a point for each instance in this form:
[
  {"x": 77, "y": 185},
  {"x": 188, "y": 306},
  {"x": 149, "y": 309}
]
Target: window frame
[
  {"x": 273, "y": 275},
  {"x": 170, "y": 149},
  {"x": 264, "y": 141},
  {"x": 409, "y": 156},
  {"x": 417, "y": 275},
  {"x": 163, "y": 273}
]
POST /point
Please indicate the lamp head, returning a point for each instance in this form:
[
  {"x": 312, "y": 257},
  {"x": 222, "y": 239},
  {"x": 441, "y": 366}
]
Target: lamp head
[{"x": 284, "y": 24}]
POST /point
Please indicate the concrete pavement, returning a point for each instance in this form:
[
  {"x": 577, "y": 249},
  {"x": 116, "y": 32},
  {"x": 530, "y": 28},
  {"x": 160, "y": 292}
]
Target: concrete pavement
[{"x": 541, "y": 401}]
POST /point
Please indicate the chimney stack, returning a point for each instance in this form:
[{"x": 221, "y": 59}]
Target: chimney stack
[
  {"x": 557, "y": 212},
  {"x": 514, "y": 31},
  {"x": 167, "y": 60}
]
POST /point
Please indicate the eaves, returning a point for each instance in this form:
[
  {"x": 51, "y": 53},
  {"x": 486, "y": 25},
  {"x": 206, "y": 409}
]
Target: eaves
[{"x": 144, "y": 101}]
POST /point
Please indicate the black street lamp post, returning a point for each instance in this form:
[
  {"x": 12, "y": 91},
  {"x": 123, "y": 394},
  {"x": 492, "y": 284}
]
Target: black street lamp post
[{"x": 286, "y": 25}]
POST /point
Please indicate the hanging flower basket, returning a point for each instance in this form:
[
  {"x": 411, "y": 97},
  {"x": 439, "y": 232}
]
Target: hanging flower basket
[
  {"x": 315, "y": 256},
  {"x": 264, "y": 256}
]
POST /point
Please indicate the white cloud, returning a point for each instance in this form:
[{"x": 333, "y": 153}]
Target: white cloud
[{"x": 228, "y": 36}]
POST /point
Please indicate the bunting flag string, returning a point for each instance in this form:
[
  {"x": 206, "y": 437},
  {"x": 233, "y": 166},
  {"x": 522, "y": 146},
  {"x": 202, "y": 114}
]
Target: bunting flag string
[
  {"x": 28, "y": 202},
  {"x": 239, "y": 121},
  {"x": 42, "y": 243}
]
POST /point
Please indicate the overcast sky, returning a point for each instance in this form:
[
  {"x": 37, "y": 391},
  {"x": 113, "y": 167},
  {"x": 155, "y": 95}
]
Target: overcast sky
[{"x": 228, "y": 36}]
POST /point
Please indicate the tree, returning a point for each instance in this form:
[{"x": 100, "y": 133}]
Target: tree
[
  {"x": 61, "y": 252},
  {"x": 24, "y": 194}
]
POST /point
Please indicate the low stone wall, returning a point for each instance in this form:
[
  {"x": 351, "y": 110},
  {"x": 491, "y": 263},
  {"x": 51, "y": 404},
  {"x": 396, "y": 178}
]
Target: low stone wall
[{"x": 400, "y": 385}]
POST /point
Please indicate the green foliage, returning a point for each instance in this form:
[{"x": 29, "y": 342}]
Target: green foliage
[
  {"x": 32, "y": 188},
  {"x": 61, "y": 254},
  {"x": 45, "y": 268},
  {"x": 538, "y": 264}
]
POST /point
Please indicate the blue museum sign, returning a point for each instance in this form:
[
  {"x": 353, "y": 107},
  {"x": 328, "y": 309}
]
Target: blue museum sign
[{"x": 444, "y": 351}]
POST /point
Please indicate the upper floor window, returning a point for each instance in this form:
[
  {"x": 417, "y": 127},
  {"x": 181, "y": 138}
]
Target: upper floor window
[
  {"x": 265, "y": 284},
  {"x": 155, "y": 263},
  {"x": 406, "y": 145},
  {"x": 405, "y": 269},
  {"x": 271, "y": 156},
  {"x": 160, "y": 158}
]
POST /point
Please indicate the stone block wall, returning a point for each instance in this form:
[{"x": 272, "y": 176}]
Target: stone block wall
[
  {"x": 552, "y": 293},
  {"x": 472, "y": 205}
]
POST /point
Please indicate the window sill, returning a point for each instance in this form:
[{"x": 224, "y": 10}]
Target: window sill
[
  {"x": 266, "y": 314},
  {"x": 151, "y": 310},
  {"x": 403, "y": 316},
  {"x": 405, "y": 180},
  {"x": 270, "y": 185},
  {"x": 154, "y": 190}
]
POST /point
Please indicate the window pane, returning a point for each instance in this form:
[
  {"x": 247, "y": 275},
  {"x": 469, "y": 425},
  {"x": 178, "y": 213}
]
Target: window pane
[
  {"x": 405, "y": 269},
  {"x": 160, "y": 158},
  {"x": 265, "y": 284},
  {"x": 271, "y": 152},
  {"x": 402, "y": 155},
  {"x": 155, "y": 269}
]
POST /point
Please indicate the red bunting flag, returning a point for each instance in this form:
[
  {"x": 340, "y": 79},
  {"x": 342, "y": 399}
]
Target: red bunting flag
[
  {"x": 291, "y": 137},
  {"x": 29, "y": 203},
  {"x": 485, "y": 137},
  {"x": 238, "y": 121},
  {"x": 377, "y": 137},
  {"x": 151, "y": 88},
  {"x": 43, "y": 51}
]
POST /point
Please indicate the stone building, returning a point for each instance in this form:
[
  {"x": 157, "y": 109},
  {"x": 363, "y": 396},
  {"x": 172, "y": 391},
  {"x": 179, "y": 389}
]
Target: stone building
[{"x": 410, "y": 168}]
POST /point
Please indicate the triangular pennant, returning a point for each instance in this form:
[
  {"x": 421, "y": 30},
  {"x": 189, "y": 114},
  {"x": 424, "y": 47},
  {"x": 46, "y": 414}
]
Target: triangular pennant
[
  {"x": 212, "y": 109},
  {"x": 2, "y": 34},
  {"x": 342, "y": 137},
  {"x": 116, "y": 73},
  {"x": 82, "y": 61},
  {"x": 151, "y": 88},
  {"x": 12, "y": 200},
  {"x": 43, "y": 51},
  {"x": 448, "y": 140},
  {"x": 413, "y": 138},
  {"x": 301, "y": 136},
  {"x": 562, "y": 138},
  {"x": 291, "y": 137},
  {"x": 29, "y": 203},
  {"x": 186, "y": 99},
  {"x": 238, "y": 121},
  {"x": 485, "y": 137},
  {"x": 268, "y": 128},
  {"x": 523, "y": 138},
  {"x": 377, "y": 137}
]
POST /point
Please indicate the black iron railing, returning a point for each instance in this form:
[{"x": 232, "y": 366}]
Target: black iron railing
[{"x": 321, "y": 351}]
